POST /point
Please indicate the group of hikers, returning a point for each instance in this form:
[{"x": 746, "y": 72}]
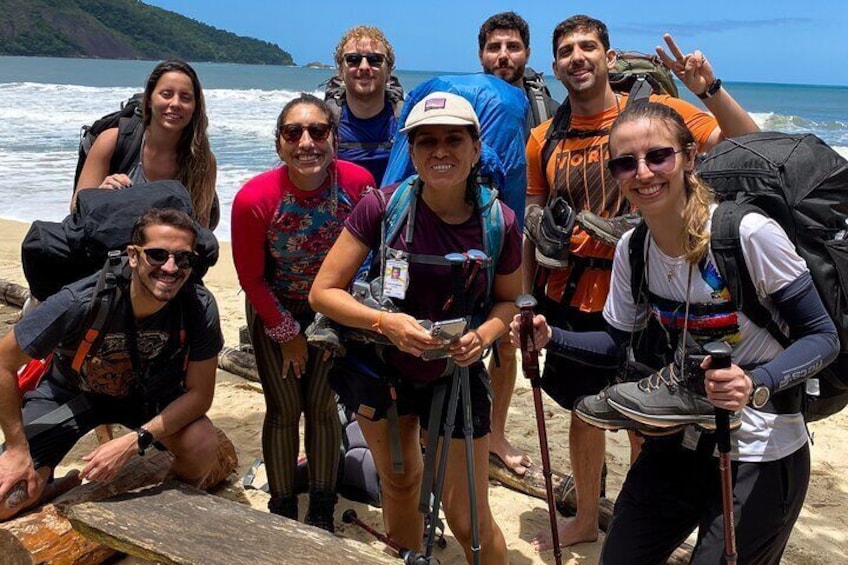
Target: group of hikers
[{"x": 308, "y": 230}]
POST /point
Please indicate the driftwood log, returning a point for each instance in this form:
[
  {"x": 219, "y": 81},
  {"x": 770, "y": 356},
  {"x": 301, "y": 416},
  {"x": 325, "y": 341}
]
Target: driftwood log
[
  {"x": 175, "y": 524},
  {"x": 12, "y": 293},
  {"x": 45, "y": 536}
]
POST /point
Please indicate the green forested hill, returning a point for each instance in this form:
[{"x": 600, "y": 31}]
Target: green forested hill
[{"x": 122, "y": 29}]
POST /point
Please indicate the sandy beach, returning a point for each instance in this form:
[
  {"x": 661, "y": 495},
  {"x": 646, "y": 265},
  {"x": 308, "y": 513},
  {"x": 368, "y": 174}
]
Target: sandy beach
[{"x": 820, "y": 536}]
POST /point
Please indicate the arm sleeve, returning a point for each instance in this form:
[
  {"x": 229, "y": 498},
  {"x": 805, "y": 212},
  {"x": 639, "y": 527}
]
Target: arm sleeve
[
  {"x": 56, "y": 321},
  {"x": 815, "y": 344},
  {"x": 597, "y": 349},
  {"x": 252, "y": 213},
  {"x": 699, "y": 122},
  {"x": 537, "y": 182}
]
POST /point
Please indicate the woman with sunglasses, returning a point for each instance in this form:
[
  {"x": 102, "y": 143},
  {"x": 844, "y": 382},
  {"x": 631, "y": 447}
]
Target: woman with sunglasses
[
  {"x": 283, "y": 223},
  {"x": 674, "y": 485},
  {"x": 174, "y": 144},
  {"x": 444, "y": 142}
]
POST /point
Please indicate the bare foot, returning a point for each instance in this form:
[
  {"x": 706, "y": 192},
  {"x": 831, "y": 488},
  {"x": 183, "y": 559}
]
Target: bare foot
[
  {"x": 570, "y": 533},
  {"x": 513, "y": 459}
]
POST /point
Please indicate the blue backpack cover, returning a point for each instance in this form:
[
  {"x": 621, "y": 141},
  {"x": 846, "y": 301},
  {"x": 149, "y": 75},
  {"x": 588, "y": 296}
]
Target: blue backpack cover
[{"x": 502, "y": 110}]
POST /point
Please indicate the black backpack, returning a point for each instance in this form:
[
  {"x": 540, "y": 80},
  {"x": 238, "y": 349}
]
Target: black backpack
[
  {"x": 54, "y": 254},
  {"x": 802, "y": 183},
  {"x": 542, "y": 105},
  {"x": 634, "y": 73},
  {"x": 130, "y": 132}
]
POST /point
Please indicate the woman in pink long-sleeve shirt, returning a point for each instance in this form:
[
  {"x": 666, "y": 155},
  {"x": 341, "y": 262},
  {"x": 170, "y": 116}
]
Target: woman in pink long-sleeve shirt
[{"x": 283, "y": 223}]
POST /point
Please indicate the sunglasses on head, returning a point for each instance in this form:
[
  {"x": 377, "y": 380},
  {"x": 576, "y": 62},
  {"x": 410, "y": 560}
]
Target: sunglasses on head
[
  {"x": 355, "y": 59},
  {"x": 659, "y": 160},
  {"x": 292, "y": 133},
  {"x": 157, "y": 257}
]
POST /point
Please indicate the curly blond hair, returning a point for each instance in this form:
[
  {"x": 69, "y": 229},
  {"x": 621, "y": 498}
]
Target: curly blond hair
[{"x": 362, "y": 32}]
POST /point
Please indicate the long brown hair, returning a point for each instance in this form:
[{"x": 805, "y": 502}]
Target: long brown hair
[
  {"x": 699, "y": 196},
  {"x": 194, "y": 156}
]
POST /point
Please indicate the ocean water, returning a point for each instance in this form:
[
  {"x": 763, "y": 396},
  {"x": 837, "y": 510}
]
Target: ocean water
[{"x": 45, "y": 101}]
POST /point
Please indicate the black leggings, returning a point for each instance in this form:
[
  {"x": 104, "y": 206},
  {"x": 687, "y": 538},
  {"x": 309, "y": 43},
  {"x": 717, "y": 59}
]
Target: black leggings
[
  {"x": 670, "y": 490},
  {"x": 285, "y": 400}
]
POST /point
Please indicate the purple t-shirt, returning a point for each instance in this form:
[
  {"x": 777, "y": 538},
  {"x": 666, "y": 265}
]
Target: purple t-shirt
[{"x": 431, "y": 285}]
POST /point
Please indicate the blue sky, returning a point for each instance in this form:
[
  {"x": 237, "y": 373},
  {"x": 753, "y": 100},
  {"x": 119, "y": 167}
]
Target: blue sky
[{"x": 780, "y": 41}]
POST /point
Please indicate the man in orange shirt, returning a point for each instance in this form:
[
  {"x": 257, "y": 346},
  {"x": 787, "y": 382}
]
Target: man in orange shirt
[{"x": 577, "y": 171}]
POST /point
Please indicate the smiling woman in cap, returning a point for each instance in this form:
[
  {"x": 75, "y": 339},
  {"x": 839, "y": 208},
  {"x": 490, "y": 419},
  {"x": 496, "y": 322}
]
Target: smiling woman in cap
[{"x": 448, "y": 212}]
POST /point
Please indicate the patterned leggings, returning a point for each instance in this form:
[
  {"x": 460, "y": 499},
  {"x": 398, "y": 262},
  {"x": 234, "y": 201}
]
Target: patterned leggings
[{"x": 285, "y": 400}]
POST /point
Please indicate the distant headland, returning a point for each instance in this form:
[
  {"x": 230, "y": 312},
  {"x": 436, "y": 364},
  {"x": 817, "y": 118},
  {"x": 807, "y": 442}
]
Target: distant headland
[{"x": 123, "y": 29}]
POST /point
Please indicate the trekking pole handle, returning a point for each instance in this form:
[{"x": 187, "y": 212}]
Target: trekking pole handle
[
  {"x": 526, "y": 304},
  {"x": 719, "y": 353}
]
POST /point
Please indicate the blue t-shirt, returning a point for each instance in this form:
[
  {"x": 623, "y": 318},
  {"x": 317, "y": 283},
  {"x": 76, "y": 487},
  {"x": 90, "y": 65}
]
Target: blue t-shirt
[{"x": 375, "y": 134}]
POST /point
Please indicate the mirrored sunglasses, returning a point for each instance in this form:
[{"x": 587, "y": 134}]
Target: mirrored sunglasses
[{"x": 660, "y": 160}]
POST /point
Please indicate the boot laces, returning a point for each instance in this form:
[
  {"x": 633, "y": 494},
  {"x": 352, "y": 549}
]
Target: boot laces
[{"x": 668, "y": 376}]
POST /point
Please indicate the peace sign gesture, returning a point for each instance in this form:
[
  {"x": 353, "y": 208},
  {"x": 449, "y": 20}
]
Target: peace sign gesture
[{"x": 693, "y": 68}]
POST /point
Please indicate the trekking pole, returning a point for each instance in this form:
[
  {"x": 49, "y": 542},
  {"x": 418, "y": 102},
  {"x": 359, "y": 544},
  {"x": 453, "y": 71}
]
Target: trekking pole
[
  {"x": 530, "y": 365},
  {"x": 720, "y": 359},
  {"x": 409, "y": 556}
]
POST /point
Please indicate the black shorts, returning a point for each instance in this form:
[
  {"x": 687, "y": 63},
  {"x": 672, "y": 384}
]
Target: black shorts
[
  {"x": 52, "y": 439},
  {"x": 361, "y": 381},
  {"x": 566, "y": 380}
]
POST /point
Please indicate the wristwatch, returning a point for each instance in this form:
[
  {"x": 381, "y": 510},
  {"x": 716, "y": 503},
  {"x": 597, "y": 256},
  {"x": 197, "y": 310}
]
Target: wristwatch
[
  {"x": 145, "y": 440},
  {"x": 711, "y": 90},
  {"x": 759, "y": 395}
]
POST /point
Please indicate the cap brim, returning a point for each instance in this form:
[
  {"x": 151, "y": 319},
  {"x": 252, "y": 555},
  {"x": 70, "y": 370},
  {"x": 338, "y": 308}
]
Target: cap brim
[{"x": 440, "y": 121}]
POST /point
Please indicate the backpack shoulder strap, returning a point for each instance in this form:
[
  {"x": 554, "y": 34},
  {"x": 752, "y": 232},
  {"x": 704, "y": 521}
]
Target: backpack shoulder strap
[
  {"x": 130, "y": 136},
  {"x": 641, "y": 89},
  {"x": 636, "y": 254},
  {"x": 557, "y": 130},
  {"x": 107, "y": 294},
  {"x": 730, "y": 262},
  {"x": 494, "y": 228}
]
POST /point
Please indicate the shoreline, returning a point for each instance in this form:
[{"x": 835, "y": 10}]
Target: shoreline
[{"x": 820, "y": 536}]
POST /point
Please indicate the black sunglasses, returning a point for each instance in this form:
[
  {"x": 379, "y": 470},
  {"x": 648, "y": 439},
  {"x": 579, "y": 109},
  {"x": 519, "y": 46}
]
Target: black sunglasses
[
  {"x": 375, "y": 60},
  {"x": 157, "y": 257},
  {"x": 292, "y": 133},
  {"x": 659, "y": 160}
]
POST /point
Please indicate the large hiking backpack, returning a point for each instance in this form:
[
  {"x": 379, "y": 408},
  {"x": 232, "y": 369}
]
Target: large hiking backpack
[
  {"x": 802, "y": 183},
  {"x": 54, "y": 254},
  {"x": 130, "y": 132},
  {"x": 502, "y": 111},
  {"x": 542, "y": 105},
  {"x": 635, "y": 74}
]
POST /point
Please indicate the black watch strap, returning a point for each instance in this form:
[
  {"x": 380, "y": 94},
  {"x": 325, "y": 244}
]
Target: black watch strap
[
  {"x": 710, "y": 90},
  {"x": 145, "y": 440}
]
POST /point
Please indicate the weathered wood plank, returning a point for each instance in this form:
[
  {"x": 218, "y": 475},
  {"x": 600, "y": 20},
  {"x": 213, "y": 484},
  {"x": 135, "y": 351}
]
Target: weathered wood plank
[
  {"x": 175, "y": 524},
  {"x": 49, "y": 538}
]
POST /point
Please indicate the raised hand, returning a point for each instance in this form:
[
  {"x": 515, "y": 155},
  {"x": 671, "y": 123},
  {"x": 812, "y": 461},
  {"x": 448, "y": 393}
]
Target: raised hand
[{"x": 692, "y": 69}]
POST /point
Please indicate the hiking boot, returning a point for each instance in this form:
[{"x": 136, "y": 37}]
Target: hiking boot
[
  {"x": 323, "y": 333},
  {"x": 285, "y": 506},
  {"x": 667, "y": 399},
  {"x": 550, "y": 229},
  {"x": 607, "y": 230},
  {"x": 321, "y": 507},
  {"x": 596, "y": 411}
]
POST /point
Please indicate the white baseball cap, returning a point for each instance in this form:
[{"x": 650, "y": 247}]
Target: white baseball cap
[{"x": 442, "y": 109}]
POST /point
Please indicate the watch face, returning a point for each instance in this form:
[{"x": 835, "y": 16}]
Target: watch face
[{"x": 760, "y": 397}]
